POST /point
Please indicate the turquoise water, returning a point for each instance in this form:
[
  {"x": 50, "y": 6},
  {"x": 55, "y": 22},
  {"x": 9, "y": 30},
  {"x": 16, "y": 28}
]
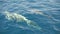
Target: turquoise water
[{"x": 44, "y": 14}]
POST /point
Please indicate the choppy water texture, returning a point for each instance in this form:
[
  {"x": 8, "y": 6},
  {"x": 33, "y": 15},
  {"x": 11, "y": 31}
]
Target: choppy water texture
[{"x": 29, "y": 16}]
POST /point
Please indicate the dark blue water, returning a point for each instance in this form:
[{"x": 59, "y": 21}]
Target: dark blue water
[{"x": 45, "y": 13}]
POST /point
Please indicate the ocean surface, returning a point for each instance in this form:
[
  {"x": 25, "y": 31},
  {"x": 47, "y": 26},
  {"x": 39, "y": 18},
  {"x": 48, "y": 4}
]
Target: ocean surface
[{"x": 29, "y": 16}]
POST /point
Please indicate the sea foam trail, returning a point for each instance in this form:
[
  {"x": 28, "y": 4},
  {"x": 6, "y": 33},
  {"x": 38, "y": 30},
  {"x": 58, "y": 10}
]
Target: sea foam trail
[{"x": 20, "y": 18}]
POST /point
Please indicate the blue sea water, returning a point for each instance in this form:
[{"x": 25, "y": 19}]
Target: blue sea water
[{"x": 49, "y": 21}]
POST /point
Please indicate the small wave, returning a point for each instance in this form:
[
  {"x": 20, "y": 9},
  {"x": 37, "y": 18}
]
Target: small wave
[{"x": 19, "y": 18}]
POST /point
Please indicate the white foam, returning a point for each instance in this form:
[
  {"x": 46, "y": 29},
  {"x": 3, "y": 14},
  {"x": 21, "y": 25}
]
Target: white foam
[{"x": 19, "y": 17}]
